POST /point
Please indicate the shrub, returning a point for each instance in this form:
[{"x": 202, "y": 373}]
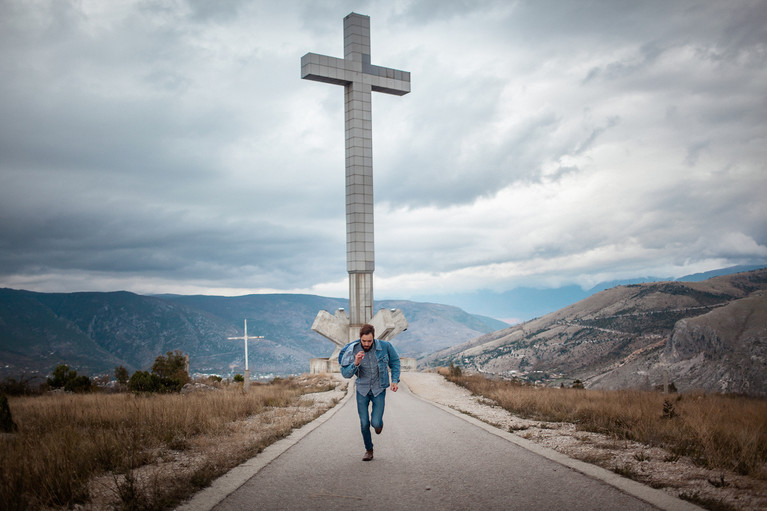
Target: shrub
[
  {"x": 66, "y": 378},
  {"x": 172, "y": 365},
  {"x": 238, "y": 378},
  {"x": 169, "y": 374},
  {"x": 78, "y": 384},
  {"x": 671, "y": 388},
  {"x": 60, "y": 376},
  {"x": 142, "y": 381},
  {"x": 668, "y": 410},
  {"x": 121, "y": 375},
  {"x": 169, "y": 384},
  {"x": 21, "y": 387},
  {"x": 172, "y": 370},
  {"x": 6, "y": 420}
]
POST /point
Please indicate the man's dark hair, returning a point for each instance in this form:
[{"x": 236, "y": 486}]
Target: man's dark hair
[{"x": 367, "y": 329}]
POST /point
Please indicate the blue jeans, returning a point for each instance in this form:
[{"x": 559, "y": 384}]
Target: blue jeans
[{"x": 375, "y": 419}]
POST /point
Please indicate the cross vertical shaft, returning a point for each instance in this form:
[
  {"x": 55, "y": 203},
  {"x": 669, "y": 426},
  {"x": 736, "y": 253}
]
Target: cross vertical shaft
[
  {"x": 359, "y": 79},
  {"x": 358, "y": 124},
  {"x": 245, "y": 339},
  {"x": 360, "y": 243}
]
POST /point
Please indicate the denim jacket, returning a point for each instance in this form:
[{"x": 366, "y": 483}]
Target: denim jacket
[{"x": 385, "y": 354}]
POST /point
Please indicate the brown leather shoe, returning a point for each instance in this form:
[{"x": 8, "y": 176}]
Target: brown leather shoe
[
  {"x": 378, "y": 430},
  {"x": 368, "y": 455}
]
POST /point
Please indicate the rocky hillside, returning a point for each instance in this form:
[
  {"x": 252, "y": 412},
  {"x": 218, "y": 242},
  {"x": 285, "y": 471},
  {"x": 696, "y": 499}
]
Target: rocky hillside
[
  {"x": 95, "y": 332},
  {"x": 709, "y": 335}
]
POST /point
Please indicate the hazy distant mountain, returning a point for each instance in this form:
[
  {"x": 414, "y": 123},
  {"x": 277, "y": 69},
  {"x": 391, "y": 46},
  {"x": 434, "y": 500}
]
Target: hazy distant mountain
[
  {"x": 95, "y": 332},
  {"x": 526, "y": 303},
  {"x": 709, "y": 335}
]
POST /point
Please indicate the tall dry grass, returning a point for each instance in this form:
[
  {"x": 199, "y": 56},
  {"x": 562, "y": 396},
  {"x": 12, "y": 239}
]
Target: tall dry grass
[
  {"x": 716, "y": 431},
  {"x": 65, "y": 439}
]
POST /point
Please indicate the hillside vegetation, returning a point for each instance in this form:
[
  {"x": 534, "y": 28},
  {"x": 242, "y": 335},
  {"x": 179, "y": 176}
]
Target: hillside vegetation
[
  {"x": 709, "y": 335},
  {"x": 96, "y": 332}
]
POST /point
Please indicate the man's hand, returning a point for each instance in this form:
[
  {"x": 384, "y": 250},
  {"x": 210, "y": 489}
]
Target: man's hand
[
  {"x": 358, "y": 358},
  {"x": 394, "y": 387}
]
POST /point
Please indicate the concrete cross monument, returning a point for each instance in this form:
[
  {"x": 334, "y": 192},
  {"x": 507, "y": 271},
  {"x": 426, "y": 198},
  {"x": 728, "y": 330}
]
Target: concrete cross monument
[
  {"x": 245, "y": 338},
  {"x": 359, "y": 78}
]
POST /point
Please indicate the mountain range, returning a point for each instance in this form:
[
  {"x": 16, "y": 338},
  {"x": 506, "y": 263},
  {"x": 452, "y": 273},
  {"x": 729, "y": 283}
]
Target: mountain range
[
  {"x": 709, "y": 335},
  {"x": 96, "y": 332},
  {"x": 526, "y": 303},
  {"x": 698, "y": 334}
]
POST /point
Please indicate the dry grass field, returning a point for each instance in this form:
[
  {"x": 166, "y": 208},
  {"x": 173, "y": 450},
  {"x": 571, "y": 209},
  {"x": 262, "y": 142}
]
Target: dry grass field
[
  {"x": 149, "y": 452},
  {"x": 716, "y": 431},
  {"x": 65, "y": 442}
]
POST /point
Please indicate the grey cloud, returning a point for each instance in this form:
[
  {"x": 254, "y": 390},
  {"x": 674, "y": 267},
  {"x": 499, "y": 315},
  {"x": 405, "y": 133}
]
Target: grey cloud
[
  {"x": 177, "y": 142},
  {"x": 159, "y": 243},
  {"x": 210, "y": 10},
  {"x": 623, "y": 69},
  {"x": 449, "y": 163},
  {"x": 595, "y": 133},
  {"x": 693, "y": 152},
  {"x": 744, "y": 32},
  {"x": 430, "y": 11}
]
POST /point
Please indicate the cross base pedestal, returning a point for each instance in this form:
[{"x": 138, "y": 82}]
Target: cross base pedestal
[{"x": 338, "y": 328}]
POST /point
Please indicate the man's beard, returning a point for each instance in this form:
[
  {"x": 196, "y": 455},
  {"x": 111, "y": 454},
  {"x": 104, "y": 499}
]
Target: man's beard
[{"x": 368, "y": 348}]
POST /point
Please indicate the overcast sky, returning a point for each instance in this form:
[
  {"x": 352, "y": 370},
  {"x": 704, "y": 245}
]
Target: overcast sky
[{"x": 171, "y": 146}]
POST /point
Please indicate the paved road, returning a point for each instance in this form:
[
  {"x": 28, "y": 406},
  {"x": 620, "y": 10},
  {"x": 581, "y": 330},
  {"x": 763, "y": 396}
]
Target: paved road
[{"x": 426, "y": 458}]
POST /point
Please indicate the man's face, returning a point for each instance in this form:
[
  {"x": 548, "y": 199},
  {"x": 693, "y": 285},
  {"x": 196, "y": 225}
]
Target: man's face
[{"x": 366, "y": 341}]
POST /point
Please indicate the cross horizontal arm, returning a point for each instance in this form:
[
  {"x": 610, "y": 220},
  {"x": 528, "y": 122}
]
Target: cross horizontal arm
[
  {"x": 322, "y": 68},
  {"x": 390, "y": 81}
]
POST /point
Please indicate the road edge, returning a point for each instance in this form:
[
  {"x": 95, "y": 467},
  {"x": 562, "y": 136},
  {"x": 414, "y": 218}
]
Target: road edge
[
  {"x": 636, "y": 489},
  {"x": 220, "y": 488}
]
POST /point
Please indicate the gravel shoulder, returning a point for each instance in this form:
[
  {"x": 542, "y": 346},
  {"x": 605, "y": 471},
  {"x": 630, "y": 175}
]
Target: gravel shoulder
[{"x": 652, "y": 466}]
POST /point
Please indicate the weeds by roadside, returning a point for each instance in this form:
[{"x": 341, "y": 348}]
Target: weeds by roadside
[
  {"x": 63, "y": 441},
  {"x": 707, "y": 503},
  {"x": 716, "y": 431}
]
